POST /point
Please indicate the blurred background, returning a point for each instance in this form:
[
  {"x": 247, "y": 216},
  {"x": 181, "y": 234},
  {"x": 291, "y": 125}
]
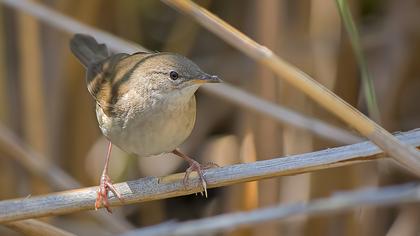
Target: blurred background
[{"x": 44, "y": 103}]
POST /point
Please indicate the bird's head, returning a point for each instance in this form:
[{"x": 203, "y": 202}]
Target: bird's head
[{"x": 168, "y": 72}]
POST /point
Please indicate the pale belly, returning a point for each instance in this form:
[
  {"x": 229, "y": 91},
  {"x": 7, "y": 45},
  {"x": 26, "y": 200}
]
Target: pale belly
[{"x": 150, "y": 133}]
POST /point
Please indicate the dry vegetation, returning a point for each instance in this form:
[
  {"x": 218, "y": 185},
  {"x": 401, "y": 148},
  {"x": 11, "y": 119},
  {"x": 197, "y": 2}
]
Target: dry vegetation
[{"x": 49, "y": 139}]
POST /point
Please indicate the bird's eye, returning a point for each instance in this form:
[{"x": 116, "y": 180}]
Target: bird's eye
[{"x": 173, "y": 75}]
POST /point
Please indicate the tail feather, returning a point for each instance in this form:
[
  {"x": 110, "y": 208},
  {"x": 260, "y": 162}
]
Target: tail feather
[{"x": 87, "y": 50}]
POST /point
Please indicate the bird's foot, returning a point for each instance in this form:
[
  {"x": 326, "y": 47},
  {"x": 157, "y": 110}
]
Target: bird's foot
[
  {"x": 105, "y": 186},
  {"x": 195, "y": 166}
]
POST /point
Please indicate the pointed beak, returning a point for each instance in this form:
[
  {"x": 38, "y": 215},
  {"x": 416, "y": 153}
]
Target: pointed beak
[{"x": 207, "y": 79}]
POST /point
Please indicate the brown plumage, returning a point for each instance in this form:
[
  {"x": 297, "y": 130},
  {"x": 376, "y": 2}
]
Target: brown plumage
[{"x": 145, "y": 101}]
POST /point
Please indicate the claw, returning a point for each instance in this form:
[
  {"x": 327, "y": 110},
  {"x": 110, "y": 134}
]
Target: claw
[
  {"x": 102, "y": 198},
  {"x": 114, "y": 191},
  {"x": 195, "y": 166},
  {"x": 98, "y": 200}
]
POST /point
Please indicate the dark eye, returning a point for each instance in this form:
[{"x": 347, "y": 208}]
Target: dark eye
[{"x": 173, "y": 75}]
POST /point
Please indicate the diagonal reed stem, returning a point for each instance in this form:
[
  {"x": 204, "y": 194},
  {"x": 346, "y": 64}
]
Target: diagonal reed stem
[
  {"x": 226, "y": 91},
  {"x": 408, "y": 157},
  {"x": 155, "y": 188},
  {"x": 386, "y": 196}
]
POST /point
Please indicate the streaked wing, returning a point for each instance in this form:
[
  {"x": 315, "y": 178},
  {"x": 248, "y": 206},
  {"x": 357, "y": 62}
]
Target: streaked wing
[{"x": 106, "y": 81}]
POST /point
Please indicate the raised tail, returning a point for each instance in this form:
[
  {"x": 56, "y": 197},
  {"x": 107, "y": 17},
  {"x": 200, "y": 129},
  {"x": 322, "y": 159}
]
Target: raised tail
[{"x": 87, "y": 50}]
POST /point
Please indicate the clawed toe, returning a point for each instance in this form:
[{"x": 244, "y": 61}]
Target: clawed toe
[
  {"x": 195, "y": 166},
  {"x": 102, "y": 194}
]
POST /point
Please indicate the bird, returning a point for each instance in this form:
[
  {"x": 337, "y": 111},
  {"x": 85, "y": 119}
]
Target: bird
[{"x": 145, "y": 103}]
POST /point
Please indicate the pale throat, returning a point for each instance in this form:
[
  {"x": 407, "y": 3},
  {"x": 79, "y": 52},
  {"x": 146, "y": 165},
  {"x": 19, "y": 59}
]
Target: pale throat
[{"x": 178, "y": 97}]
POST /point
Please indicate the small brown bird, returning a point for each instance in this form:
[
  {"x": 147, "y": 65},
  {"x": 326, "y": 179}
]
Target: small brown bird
[{"x": 145, "y": 102}]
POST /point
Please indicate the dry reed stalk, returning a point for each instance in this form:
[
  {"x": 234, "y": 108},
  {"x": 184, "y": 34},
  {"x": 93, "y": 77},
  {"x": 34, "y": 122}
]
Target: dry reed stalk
[
  {"x": 155, "y": 188},
  {"x": 408, "y": 157},
  {"x": 35, "y": 228},
  {"x": 226, "y": 91},
  {"x": 386, "y": 196},
  {"x": 52, "y": 175}
]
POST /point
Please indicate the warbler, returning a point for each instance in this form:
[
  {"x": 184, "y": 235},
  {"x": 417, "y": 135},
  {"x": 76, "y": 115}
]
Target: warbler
[{"x": 145, "y": 102}]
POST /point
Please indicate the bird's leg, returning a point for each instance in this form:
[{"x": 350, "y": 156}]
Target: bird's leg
[
  {"x": 105, "y": 185},
  {"x": 195, "y": 166}
]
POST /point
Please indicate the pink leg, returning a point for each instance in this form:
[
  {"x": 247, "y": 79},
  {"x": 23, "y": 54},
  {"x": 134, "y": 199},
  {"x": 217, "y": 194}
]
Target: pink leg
[
  {"x": 105, "y": 185},
  {"x": 195, "y": 166}
]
